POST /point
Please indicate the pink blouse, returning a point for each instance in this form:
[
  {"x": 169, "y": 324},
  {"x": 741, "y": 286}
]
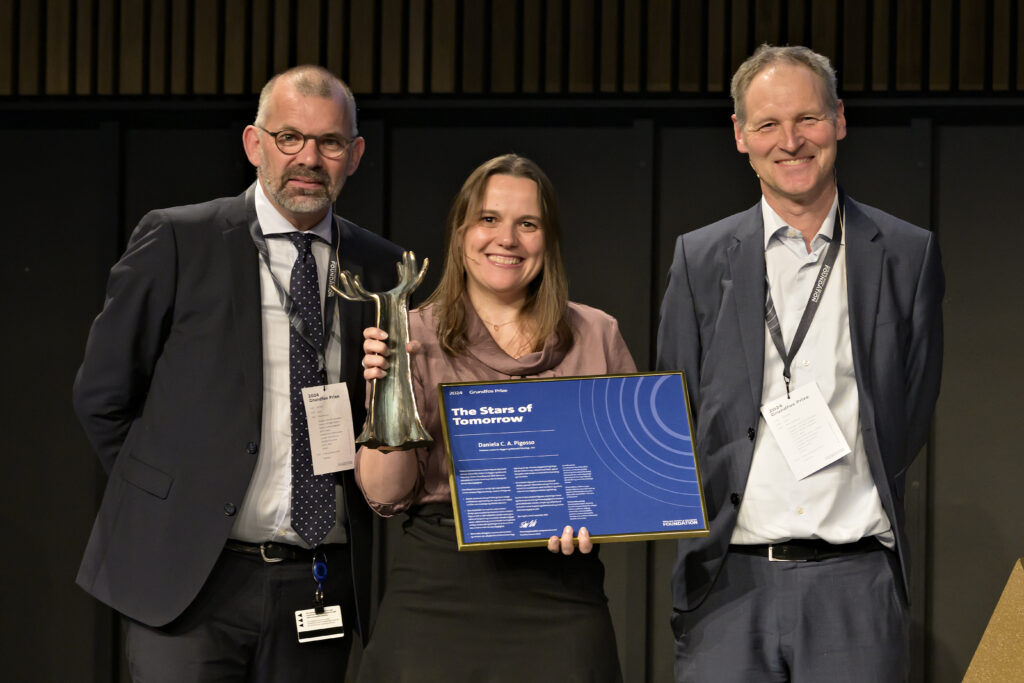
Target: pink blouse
[{"x": 597, "y": 349}]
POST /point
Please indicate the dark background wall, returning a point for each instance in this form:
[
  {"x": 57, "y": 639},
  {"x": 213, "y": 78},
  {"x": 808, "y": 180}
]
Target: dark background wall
[{"x": 111, "y": 107}]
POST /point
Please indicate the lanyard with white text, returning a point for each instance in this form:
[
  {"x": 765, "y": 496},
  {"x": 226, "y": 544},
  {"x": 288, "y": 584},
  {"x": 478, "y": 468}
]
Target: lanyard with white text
[
  {"x": 771, "y": 318},
  {"x": 294, "y": 318}
]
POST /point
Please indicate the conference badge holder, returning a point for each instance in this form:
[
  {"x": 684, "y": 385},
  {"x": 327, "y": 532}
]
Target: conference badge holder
[{"x": 322, "y": 622}]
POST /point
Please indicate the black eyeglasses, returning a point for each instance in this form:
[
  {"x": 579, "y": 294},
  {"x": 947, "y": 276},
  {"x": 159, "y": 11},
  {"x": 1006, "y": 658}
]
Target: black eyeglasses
[{"x": 292, "y": 142}]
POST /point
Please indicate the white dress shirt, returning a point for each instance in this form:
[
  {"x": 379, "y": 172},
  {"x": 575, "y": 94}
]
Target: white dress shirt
[
  {"x": 839, "y": 503},
  {"x": 265, "y": 513}
]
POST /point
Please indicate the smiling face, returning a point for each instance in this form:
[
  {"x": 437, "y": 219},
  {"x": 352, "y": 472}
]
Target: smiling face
[
  {"x": 503, "y": 246},
  {"x": 302, "y": 186},
  {"x": 790, "y": 135}
]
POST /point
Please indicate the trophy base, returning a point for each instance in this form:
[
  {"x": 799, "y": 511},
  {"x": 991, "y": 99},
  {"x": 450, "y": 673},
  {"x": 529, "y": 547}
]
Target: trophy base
[{"x": 373, "y": 442}]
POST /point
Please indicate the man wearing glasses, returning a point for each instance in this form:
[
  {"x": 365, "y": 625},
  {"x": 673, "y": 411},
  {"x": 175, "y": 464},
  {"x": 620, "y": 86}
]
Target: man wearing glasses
[{"x": 230, "y": 545}]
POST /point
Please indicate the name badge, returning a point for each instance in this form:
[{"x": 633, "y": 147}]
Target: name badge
[
  {"x": 806, "y": 430},
  {"x": 311, "y": 625},
  {"x": 329, "y": 419}
]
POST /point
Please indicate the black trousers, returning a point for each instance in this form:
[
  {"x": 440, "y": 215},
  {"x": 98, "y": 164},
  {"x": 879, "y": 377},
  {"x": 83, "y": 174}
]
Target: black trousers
[{"x": 241, "y": 626}]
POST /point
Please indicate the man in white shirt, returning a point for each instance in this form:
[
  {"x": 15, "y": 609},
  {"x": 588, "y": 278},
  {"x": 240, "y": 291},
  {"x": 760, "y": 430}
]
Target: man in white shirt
[
  {"x": 810, "y": 331},
  {"x": 216, "y": 540}
]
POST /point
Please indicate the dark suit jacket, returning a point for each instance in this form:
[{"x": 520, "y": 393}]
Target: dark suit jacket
[
  {"x": 712, "y": 328},
  {"x": 171, "y": 393}
]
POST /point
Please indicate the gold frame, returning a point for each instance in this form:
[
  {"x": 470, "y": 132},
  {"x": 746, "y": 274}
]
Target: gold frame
[{"x": 604, "y": 538}]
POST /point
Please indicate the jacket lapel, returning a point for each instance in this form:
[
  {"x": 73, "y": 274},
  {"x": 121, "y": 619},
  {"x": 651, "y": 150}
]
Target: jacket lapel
[
  {"x": 863, "y": 279},
  {"x": 245, "y": 298},
  {"x": 746, "y": 264},
  {"x": 350, "y": 314}
]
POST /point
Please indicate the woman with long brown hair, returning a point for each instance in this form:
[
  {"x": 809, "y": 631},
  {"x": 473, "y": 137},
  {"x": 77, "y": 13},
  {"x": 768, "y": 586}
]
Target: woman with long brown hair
[{"x": 501, "y": 311}]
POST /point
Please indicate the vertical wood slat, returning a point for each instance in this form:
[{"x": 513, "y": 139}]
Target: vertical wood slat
[
  {"x": 58, "y": 47},
  {"x": 940, "y": 45},
  {"x": 716, "y": 55},
  {"x": 880, "y": 45},
  {"x": 910, "y": 43},
  {"x": 554, "y": 47},
  {"x": 235, "y": 16},
  {"x": 853, "y": 74},
  {"x": 30, "y": 45},
  {"x": 659, "y": 45},
  {"x": 281, "y": 35},
  {"x": 691, "y": 45},
  {"x": 8, "y": 33},
  {"x": 392, "y": 49},
  {"x": 206, "y": 36},
  {"x": 1001, "y": 53},
  {"x": 132, "y": 50},
  {"x": 825, "y": 29},
  {"x": 474, "y": 46},
  {"x": 609, "y": 47},
  {"x": 582, "y": 24},
  {"x": 106, "y": 40},
  {"x": 504, "y": 46},
  {"x": 416, "y": 75},
  {"x": 632, "y": 44},
  {"x": 362, "y": 37},
  {"x": 442, "y": 52},
  {"x": 767, "y": 22},
  {"x": 337, "y": 41},
  {"x": 85, "y": 43},
  {"x": 1019, "y": 47},
  {"x": 739, "y": 39},
  {"x": 158, "y": 46},
  {"x": 972, "y": 46},
  {"x": 259, "y": 44},
  {"x": 306, "y": 34},
  {"x": 796, "y": 20},
  {"x": 180, "y": 31},
  {"x": 533, "y": 46}
]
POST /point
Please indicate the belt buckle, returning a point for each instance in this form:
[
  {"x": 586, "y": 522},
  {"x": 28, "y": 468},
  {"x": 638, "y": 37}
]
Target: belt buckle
[
  {"x": 772, "y": 558},
  {"x": 269, "y": 560}
]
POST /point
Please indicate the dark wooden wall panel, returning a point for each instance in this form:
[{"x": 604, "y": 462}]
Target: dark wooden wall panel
[
  {"x": 392, "y": 47},
  {"x": 659, "y": 45},
  {"x": 972, "y": 45},
  {"x": 58, "y": 47},
  {"x": 505, "y": 47}
]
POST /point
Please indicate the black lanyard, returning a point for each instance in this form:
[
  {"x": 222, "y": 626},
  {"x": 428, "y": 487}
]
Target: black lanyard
[
  {"x": 297, "y": 322},
  {"x": 771, "y": 318}
]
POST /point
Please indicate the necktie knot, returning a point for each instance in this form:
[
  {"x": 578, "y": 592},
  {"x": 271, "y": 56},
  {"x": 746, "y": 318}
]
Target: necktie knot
[{"x": 303, "y": 241}]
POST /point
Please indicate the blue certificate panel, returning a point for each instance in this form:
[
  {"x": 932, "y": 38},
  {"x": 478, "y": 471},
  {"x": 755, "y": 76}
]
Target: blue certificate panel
[{"x": 611, "y": 453}]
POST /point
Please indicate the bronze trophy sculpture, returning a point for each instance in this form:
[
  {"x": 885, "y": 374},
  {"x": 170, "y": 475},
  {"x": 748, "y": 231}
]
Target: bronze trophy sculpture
[{"x": 392, "y": 421}]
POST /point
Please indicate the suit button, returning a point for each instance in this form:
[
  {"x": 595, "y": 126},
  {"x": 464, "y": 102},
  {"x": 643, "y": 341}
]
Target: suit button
[
  {"x": 751, "y": 433},
  {"x": 230, "y": 509},
  {"x": 251, "y": 447},
  {"x": 735, "y": 499}
]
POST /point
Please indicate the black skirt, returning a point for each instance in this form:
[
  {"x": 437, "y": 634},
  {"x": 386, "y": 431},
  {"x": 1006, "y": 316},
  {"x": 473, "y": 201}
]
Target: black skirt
[{"x": 517, "y": 615}]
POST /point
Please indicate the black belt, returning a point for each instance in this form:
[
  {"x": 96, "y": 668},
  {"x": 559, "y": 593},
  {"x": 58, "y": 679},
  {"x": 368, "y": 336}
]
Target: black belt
[
  {"x": 275, "y": 552},
  {"x": 807, "y": 549}
]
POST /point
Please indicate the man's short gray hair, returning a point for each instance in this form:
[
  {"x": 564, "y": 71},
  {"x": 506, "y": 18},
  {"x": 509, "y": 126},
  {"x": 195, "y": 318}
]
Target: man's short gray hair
[
  {"x": 769, "y": 55},
  {"x": 310, "y": 81}
]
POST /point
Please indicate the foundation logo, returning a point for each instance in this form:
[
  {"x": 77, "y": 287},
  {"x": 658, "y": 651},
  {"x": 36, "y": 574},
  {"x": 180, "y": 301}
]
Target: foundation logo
[{"x": 527, "y": 524}]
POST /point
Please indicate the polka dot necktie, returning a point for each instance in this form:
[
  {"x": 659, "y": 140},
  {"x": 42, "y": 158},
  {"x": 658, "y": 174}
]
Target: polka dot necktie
[{"x": 312, "y": 495}]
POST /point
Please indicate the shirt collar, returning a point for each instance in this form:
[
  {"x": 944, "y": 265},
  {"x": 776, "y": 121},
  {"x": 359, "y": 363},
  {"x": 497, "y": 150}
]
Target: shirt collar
[
  {"x": 273, "y": 223},
  {"x": 774, "y": 225}
]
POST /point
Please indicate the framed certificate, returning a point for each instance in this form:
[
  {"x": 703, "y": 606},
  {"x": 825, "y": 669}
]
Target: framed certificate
[{"x": 613, "y": 453}]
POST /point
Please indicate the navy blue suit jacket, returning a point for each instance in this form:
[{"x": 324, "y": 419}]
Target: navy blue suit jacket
[
  {"x": 712, "y": 327},
  {"x": 170, "y": 394}
]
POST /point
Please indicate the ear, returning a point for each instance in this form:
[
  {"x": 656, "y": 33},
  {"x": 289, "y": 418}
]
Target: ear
[
  {"x": 737, "y": 131},
  {"x": 251, "y": 143},
  {"x": 355, "y": 154},
  {"x": 840, "y": 121}
]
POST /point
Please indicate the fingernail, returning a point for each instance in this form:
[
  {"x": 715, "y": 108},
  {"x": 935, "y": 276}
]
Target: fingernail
[{"x": 567, "y": 530}]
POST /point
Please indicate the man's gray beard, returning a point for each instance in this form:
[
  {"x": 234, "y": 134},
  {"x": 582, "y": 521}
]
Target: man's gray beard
[{"x": 314, "y": 202}]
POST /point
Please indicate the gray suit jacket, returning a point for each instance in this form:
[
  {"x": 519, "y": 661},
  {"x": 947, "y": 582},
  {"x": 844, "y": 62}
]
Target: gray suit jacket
[
  {"x": 712, "y": 327},
  {"x": 170, "y": 394}
]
